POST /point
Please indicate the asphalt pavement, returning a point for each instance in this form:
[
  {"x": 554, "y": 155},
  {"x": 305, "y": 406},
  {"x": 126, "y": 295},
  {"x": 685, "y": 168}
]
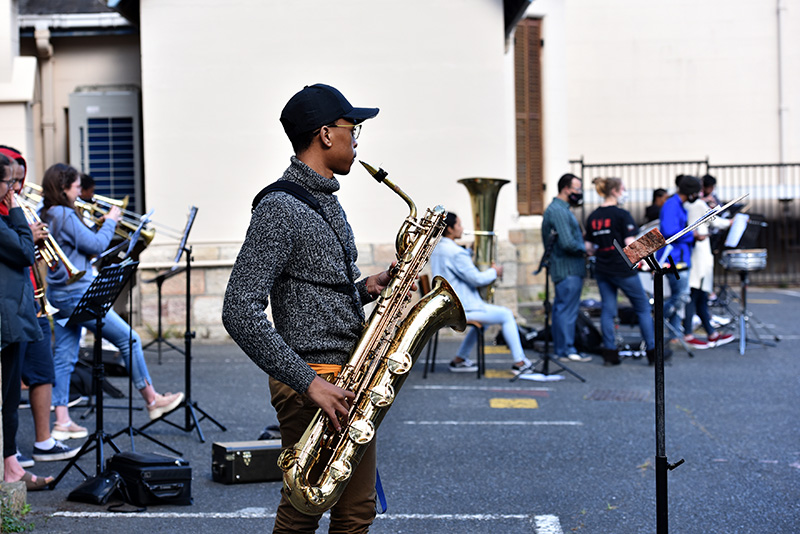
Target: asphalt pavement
[{"x": 462, "y": 455}]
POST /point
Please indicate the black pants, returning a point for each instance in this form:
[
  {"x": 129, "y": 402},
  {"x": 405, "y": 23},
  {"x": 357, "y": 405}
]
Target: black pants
[{"x": 12, "y": 375}]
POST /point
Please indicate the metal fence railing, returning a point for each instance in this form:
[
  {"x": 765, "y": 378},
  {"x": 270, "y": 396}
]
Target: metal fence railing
[{"x": 774, "y": 195}]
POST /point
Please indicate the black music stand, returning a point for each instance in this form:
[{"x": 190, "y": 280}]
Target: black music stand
[
  {"x": 165, "y": 275},
  {"x": 662, "y": 465},
  {"x": 545, "y": 357},
  {"x": 191, "y": 408},
  {"x": 94, "y": 305}
]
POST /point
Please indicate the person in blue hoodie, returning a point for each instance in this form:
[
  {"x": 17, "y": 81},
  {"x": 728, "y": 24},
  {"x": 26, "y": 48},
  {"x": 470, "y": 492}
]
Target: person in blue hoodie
[
  {"x": 673, "y": 219},
  {"x": 454, "y": 264},
  {"x": 61, "y": 186}
]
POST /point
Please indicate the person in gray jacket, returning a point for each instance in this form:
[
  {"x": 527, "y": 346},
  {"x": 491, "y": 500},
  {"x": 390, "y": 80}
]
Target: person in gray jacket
[
  {"x": 454, "y": 264},
  {"x": 303, "y": 263}
]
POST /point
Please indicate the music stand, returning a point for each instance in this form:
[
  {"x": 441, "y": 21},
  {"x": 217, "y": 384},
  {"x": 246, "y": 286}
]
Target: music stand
[
  {"x": 94, "y": 305},
  {"x": 191, "y": 408},
  {"x": 545, "y": 358},
  {"x": 165, "y": 275}
]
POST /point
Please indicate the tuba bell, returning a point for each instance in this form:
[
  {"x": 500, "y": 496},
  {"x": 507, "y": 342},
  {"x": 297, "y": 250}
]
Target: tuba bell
[{"x": 483, "y": 196}]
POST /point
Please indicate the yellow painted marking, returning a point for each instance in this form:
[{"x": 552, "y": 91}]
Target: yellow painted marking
[
  {"x": 514, "y": 403},
  {"x": 496, "y": 349},
  {"x": 760, "y": 301},
  {"x": 497, "y": 373}
]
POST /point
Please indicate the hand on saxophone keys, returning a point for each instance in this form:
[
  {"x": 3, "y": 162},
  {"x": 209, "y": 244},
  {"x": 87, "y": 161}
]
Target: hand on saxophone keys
[{"x": 333, "y": 400}]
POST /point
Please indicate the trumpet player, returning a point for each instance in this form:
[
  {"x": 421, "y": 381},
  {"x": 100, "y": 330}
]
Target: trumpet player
[
  {"x": 305, "y": 261},
  {"x": 17, "y": 320},
  {"x": 37, "y": 356},
  {"x": 60, "y": 188}
]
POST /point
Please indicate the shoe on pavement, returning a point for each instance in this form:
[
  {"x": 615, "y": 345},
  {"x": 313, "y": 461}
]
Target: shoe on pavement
[
  {"x": 24, "y": 461},
  {"x": 517, "y": 369},
  {"x": 59, "y": 451},
  {"x": 575, "y": 357},
  {"x": 465, "y": 366},
  {"x": 164, "y": 404},
  {"x": 70, "y": 431},
  {"x": 716, "y": 339},
  {"x": 696, "y": 343}
]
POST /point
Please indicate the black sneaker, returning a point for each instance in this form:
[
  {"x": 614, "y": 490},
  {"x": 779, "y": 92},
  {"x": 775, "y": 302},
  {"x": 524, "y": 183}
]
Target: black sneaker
[
  {"x": 465, "y": 366},
  {"x": 24, "y": 461},
  {"x": 59, "y": 451}
]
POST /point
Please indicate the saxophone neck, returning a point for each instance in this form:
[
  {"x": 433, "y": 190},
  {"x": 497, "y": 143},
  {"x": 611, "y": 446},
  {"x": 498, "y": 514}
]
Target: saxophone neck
[{"x": 380, "y": 175}]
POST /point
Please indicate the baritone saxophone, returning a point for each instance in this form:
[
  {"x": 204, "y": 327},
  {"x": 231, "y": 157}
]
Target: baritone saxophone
[{"x": 377, "y": 368}]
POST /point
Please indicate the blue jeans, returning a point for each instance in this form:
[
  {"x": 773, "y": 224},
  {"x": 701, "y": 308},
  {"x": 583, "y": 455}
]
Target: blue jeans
[
  {"x": 676, "y": 303},
  {"x": 67, "y": 344},
  {"x": 565, "y": 314},
  {"x": 698, "y": 304},
  {"x": 632, "y": 287},
  {"x": 493, "y": 315}
]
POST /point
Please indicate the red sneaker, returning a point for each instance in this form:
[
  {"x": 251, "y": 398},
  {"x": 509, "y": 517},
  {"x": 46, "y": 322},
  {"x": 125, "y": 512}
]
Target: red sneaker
[
  {"x": 696, "y": 343},
  {"x": 716, "y": 339}
]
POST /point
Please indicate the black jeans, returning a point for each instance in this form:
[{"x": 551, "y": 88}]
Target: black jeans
[{"x": 12, "y": 375}]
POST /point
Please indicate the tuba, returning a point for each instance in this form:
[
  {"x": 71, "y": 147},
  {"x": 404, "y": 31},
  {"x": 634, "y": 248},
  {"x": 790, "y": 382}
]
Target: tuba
[
  {"x": 377, "y": 368},
  {"x": 483, "y": 196}
]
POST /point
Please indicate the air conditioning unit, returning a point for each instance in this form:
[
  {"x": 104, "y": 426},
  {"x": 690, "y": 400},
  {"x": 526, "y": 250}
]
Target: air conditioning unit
[{"x": 105, "y": 140}]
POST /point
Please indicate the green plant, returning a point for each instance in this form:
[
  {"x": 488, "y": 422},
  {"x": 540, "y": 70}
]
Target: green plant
[{"x": 12, "y": 522}]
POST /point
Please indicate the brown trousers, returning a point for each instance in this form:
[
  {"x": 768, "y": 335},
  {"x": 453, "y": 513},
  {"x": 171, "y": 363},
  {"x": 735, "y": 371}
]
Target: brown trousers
[{"x": 355, "y": 511}]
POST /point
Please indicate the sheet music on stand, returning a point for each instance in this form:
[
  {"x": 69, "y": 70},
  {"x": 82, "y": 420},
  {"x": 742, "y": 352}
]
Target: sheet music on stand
[{"x": 102, "y": 293}]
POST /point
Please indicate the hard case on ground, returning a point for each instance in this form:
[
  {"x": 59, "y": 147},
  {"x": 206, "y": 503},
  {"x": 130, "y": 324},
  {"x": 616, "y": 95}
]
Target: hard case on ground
[
  {"x": 151, "y": 478},
  {"x": 238, "y": 462}
]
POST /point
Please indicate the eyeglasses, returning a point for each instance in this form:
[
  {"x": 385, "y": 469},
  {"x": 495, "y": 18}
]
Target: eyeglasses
[
  {"x": 356, "y": 128},
  {"x": 11, "y": 182}
]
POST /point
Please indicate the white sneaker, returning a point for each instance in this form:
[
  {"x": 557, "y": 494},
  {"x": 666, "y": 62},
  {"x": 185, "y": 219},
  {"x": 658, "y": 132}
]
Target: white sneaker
[
  {"x": 164, "y": 404},
  {"x": 575, "y": 357}
]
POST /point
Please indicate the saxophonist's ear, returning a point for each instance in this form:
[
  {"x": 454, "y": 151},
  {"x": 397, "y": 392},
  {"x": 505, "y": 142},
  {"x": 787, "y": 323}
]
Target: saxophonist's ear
[{"x": 325, "y": 136}]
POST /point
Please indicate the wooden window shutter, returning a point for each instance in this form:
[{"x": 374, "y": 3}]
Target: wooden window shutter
[{"x": 528, "y": 104}]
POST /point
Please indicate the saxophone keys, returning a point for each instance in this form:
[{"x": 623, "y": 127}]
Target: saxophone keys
[
  {"x": 361, "y": 431},
  {"x": 399, "y": 363},
  {"x": 287, "y": 459},
  {"x": 340, "y": 470},
  {"x": 382, "y": 396}
]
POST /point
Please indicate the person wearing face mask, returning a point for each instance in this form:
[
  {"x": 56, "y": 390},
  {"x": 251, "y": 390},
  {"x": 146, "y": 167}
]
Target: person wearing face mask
[
  {"x": 674, "y": 219},
  {"x": 606, "y": 224},
  {"x": 567, "y": 265}
]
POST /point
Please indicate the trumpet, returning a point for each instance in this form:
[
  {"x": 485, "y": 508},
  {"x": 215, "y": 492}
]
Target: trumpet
[
  {"x": 49, "y": 251},
  {"x": 101, "y": 205},
  {"x": 126, "y": 226}
]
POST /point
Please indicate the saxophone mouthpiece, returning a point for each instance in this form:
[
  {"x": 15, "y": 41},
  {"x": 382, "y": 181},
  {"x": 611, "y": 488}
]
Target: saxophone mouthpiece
[{"x": 378, "y": 174}]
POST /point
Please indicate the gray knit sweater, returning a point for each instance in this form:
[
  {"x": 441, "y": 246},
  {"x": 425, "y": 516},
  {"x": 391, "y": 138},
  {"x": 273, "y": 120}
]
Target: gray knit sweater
[{"x": 292, "y": 256}]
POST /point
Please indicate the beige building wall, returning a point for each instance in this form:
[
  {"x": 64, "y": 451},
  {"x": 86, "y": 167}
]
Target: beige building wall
[{"x": 216, "y": 76}]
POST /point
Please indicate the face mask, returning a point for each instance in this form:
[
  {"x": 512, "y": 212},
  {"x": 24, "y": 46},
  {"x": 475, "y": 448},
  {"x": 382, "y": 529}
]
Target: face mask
[
  {"x": 623, "y": 198},
  {"x": 575, "y": 199}
]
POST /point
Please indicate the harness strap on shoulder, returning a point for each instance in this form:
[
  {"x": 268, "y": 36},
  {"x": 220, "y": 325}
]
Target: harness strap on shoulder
[{"x": 293, "y": 188}]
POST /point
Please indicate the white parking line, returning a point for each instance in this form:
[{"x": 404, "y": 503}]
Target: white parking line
[
  {"x": 545, "y": 524},
  {"x": 481, "y": 388},
  {"x": 500, "y": 423}
]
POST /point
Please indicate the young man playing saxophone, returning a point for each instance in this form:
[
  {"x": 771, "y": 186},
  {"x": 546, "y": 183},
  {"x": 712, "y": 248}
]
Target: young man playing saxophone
[{"x": 305, "y": 262}]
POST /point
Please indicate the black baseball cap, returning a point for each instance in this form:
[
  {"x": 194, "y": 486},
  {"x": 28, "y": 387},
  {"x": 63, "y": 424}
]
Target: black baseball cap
[{"x": 317, "y": 105}]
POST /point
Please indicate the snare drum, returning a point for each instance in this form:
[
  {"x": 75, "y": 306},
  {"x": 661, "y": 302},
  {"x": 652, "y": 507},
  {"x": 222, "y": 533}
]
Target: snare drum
[{"x": 753, "y": 259}]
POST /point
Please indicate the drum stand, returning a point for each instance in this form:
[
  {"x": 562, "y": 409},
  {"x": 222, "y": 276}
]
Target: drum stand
[{"x": 746, "y": 318}]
